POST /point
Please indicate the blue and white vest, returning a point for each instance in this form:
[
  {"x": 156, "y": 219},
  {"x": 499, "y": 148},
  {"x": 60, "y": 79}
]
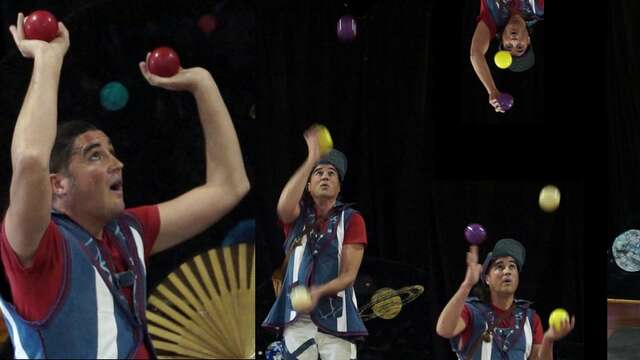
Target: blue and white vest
[
  {"x": 91, "y": 318},
  {"x": 506, "y": 343},
  {"x": 314, "y": 262},
  {"x": 531, "y": 11}
]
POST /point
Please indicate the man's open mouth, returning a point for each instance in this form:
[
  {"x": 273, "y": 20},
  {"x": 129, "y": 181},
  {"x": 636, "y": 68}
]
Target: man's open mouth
[{"x": 116, "y": 186}]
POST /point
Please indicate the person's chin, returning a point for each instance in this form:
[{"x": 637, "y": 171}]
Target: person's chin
[
  {"x": 328, "y": 193},
  {"x": 118, "y": 208},
  {"x": 324, "y": 195}
]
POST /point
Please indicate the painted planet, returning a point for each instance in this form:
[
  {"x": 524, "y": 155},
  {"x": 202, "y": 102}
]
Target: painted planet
[
  {"x": 626, "y": 250},
  {"x": 387, "y": 303}
]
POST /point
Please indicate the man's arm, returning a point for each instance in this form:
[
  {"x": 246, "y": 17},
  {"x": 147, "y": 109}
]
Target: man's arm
[
  {"x": 544, "y": 351},
  {"x": 479, "y": 47},
  {"x": 350, "y": 261},
  {"x": 30, "y": 193},
  {"x": 226, "y": 180},
  {"x": 450, "y": 322},
  {"x": 289, "y": 202}
]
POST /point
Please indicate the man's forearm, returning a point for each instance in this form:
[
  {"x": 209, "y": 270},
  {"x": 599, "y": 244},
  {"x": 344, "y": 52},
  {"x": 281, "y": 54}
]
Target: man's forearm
[
  {"x": 481, "y": 68},
  {"x": 293, "y": 190},
  {"x": 451, "y": 313},
  {"x": 223, "y": 155},
  {"x": 351, "y": 259},
  {"x": 35, "y": 129},
  {"x": 334, "y": 286},
  {"x": 546, "y": 350}
]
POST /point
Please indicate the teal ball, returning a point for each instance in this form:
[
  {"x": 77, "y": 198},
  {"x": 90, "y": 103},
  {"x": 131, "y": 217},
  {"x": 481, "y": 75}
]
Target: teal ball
[{"x": 114, "y": 96}]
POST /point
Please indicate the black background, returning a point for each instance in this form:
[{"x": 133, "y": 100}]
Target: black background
[
  {"x": 427, "y": 155},
  {"x": 623, "y": 59}
]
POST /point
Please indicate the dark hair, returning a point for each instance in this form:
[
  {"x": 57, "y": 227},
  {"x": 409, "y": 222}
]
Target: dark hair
[
  {"x": 66, "y": 135},
  {"x": 481, "y": 291}
]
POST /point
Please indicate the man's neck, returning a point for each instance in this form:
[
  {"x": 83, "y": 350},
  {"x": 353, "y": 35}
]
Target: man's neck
[
  {"x": 323, "y": 207},
  {"x": 516, "y": 18},
  {"x": 91, "y": 225},
  {"x": 502, "y": 301}
]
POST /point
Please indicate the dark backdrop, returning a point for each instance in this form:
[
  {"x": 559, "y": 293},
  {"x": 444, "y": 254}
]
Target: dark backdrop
[
  {"x": 393, "y": 108},
  {"x": 373, "y": 95},
  {"x": 623, "y": 105},
  {"x": 553, "y": 274}
]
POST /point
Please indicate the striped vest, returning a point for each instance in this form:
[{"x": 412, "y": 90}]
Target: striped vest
[
  {"x": 91, "y": 318},
  {"x": 314, "y": 262},
  {"x": 506, "y": 343},
  {"x": 531, "y": 11}
]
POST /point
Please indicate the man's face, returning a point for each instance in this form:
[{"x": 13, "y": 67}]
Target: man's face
[
  {"x": 94, "y": 180},
  {"x": 324, "y": 182},
  {"x": 515, "y": 37},
  {"x": 502, "y": 277}
]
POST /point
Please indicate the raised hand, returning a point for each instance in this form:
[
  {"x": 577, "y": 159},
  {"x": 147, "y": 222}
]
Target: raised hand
[
  {"x": 311, "y": 137},
  {"x": 473, "y": 268},
  {"x": 190, "y": 79},
  {"x": 34, "y": 48}
]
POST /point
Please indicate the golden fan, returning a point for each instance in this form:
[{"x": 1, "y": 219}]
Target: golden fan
[{"x": 206, "y": 307}]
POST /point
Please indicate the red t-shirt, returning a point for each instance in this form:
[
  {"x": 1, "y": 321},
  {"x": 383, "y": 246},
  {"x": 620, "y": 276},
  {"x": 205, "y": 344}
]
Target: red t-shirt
[
  {"x": 36, "y": 288},
  {"x": 538, "y": 332},
  {"x": 355, "y": 233},
  {"x": 485, "y": 14},
  {"x": 485, "y": 17}
]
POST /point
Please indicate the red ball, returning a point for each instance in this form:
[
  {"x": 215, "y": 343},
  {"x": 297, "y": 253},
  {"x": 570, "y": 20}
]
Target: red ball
[
  {"x": 163, "y": 61},
  {"x": 207, "y": 23},
  {"x": 40, "y": 25}
]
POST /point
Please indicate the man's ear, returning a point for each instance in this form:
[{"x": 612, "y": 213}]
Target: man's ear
[{"x": 59, "y": 184}]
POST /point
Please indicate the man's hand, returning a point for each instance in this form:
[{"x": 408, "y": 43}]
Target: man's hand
[
  {"x": 493, "y": 100},
  {"x": 473, "y": 268},
  {"x": 565, "y": 329},
  {"x": 191, "y": 79},
  {"x": 315, "y": 297},
  {"x": 32, "y": 49},
  {"x": 311, "y": 137}
]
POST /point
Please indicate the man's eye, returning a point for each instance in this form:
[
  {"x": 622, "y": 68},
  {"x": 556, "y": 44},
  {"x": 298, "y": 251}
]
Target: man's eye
[{"x": 95, "y": 156}]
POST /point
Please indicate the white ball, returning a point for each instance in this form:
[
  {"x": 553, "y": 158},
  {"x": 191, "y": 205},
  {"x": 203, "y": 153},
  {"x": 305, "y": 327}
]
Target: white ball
[
  {"x": 300, "y": 298},
  {"x": 549, "y": 199}
]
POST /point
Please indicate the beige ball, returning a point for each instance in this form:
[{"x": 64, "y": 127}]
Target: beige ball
[
  {"x": 300, "y": 298},
  {"x": 325, "y": 143},
  {"x": 557, "y": 317},
  {"x": 549, "y": 199}
]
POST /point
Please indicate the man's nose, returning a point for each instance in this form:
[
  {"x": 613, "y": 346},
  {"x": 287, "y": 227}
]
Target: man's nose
[{"x": 116, "y": 163}]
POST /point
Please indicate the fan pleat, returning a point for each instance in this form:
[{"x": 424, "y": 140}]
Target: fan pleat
[{"x": 206, "y": 308}]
